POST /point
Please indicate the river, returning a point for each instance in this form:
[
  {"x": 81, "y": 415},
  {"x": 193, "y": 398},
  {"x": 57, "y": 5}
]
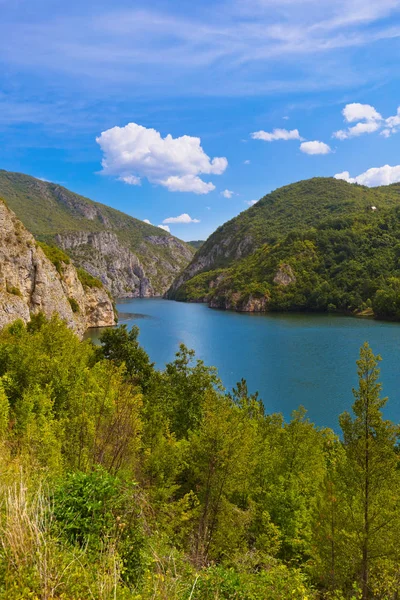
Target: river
[{"x": 290, "y": 359}]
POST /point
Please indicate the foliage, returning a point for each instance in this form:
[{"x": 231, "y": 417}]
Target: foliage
[
  {"x": 119, "y": 481},
  {"x": 342, "y": 255},
  {"x": 55, "y": 255},
  {"x": 88, "y": 280}
]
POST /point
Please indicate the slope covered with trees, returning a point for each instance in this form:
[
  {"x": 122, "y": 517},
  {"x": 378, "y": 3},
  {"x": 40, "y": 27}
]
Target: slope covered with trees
[
  {"x": 131, "y": 257},
  {"x": 321, "y": 244},
  {"x": 119, "y": 481}
]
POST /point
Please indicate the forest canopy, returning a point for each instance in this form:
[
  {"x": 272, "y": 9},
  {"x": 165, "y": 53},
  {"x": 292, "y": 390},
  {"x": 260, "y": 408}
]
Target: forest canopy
[{"x": 120, "y": 481}]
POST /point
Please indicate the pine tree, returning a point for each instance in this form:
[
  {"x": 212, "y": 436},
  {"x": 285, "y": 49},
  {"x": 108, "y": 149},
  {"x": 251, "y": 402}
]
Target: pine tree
[{"x": 370, "y": 473}]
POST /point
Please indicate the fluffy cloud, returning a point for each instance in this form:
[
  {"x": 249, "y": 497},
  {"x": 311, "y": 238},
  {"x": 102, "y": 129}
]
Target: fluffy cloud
[
  {"x": 246, "y": 162},
  {"x": 134, "y": 152},
  {"x": 359, "y": 129},
  {"x": 227, "y": 193},
  {"x": 392, "y": 124},
  {"x": 184, "y": 218},
  {"x": 277, "y": 134},
  {"x": 360, "y": 112},
  {"x": 251, "y": 202},
  {"x": 375, "y": 176},
  {"x": 369, "y": 120},
  {"x": 315, "y": 147},
  {"x": 146, "y": 221},
  {"x": 165, "y": 227}
]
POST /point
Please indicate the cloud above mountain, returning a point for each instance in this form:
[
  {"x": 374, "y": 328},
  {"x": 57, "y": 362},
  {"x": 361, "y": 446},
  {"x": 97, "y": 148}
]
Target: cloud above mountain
[
  {"x": 183, "y": 219},
  {"x": 373, "y": 177},
  {"x": 315, "y": 147},
  {"x": 134, "y": 152}
]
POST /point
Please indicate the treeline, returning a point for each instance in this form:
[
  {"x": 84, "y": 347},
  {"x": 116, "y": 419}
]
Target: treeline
[{"x": 119, "y": 481}]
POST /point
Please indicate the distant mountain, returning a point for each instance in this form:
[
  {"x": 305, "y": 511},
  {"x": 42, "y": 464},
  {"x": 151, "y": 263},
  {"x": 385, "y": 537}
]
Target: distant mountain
[
  {"x": 130, "y": 257},
  {"x": 321, "y": 244},
  {"x": 196, "y": 244}
]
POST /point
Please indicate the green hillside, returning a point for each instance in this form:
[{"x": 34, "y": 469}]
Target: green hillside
[
  {"x": 321, "y": 244},
  {"x": 196, "y": 244},
  {"x": 55, "y": 215}
]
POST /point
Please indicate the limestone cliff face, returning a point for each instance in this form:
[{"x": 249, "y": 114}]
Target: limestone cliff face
[
  {"x": 30, "y": 283},
  {"x": 131, "y": 257},
  {"x": 124, "y": 273}
]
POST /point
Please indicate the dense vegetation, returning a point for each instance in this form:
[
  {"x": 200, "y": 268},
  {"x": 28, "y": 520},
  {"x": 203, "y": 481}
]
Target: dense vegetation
[
  {"x": 119, "y": 481},
  {"x": 196, "y": 243},
  {"x": 338, "y": 243}
]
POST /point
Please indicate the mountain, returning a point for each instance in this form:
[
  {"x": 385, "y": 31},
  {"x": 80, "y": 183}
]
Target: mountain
[
  {"x": 130, "y": 257},
  {"x": 321, "y": 244},
  {"x": 35, "y": 278},
  {"x": 196, "y": 244}
]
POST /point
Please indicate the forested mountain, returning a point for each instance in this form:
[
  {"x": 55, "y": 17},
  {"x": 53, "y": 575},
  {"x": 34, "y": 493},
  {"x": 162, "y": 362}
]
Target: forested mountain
[
  {"x": 321, "y": 244},
  {"x": 196, "y": 244},
  {"x": 121, "y": 482},
  {"x": 131, "y": 257}
]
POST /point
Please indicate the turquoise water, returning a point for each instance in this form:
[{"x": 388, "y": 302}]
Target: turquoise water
[{"x": 290, "y": 359}]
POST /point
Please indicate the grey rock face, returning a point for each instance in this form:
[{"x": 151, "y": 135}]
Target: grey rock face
[
  {"x": 123, "y": 273},
  {"x": 30, "y": 283}
]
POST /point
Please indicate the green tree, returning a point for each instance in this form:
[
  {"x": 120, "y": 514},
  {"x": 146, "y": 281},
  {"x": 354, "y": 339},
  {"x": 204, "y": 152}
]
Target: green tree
[{"x": 370, "y": 473}]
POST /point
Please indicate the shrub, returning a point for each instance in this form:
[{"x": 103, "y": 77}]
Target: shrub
[
  {"x": 88, "y": 280},
  {"x": 55, "y": 255},
  {"x": 74, "y": 305}
]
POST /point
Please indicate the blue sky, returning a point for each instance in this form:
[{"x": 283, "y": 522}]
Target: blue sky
[{"x": 177, "y": 111}]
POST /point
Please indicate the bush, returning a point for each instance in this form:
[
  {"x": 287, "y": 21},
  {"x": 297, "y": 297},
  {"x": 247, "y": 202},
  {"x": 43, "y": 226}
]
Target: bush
[
  {"x": 74, "y": 305},
  {"x": 55, "y": 255},
  {"x": 88, "y": 280}
]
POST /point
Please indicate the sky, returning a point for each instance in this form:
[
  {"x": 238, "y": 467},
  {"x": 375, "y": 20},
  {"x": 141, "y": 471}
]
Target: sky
[{"x": 183, "y": 114}]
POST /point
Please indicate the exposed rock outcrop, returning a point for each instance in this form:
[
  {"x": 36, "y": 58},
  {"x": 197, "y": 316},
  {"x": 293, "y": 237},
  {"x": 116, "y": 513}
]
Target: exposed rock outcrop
[
  {"x": 30, "y": 283},
  {"x": 131, "y": 257},
  {"x": 285, "y": 275},
  {"x": 124, "y": 273}
]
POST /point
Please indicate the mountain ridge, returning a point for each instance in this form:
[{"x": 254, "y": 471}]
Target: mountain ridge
[
  {"x": 132, "y": 258},
  {"x": 294, "y": 249}
]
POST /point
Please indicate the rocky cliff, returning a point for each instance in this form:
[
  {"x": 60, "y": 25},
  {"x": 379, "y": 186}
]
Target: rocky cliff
[
  {"x": 130, "y": 257},
  {"x": 30, "y": 283}
]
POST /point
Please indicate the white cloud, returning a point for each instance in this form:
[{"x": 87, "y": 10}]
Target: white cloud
[
  {"x": 370, "y": 120},
  {"x": 227, "y": 193},
  {"x": 277, "y": 134},
  {"x": 360, "y": 112},
  {"x": 165, "y": 227},
  {"x": 372, "y": 177},
  {"x": 315, "y": 147},
  {"x": 246, "y": 162},
  {"x": 251, "y": 202},
  {"x": 184, "y": 218},
  {"x": 131, "y": 180},
  {"x": 146, "y": 221},
  {"x": 134, "y": 152},
  {"x": 359, "y": 129},
  {"x": 392, "y": 124}
]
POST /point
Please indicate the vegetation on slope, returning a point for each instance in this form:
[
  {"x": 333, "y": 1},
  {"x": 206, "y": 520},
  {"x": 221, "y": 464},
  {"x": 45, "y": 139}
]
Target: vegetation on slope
[
  {"x": 339, "y": 252},
  {"x": 121, "y": 482},
  {"x": 48, "y": 209},
  {"x": 196, "y": 244}
]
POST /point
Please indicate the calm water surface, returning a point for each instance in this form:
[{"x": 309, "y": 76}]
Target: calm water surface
[{"x": 290, "y": 359}]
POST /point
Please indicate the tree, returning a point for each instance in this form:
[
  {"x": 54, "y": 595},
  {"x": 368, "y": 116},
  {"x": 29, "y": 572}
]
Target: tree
[
  {"x": 370, "y": 473},
  {"x": 122, "y": 346}
]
